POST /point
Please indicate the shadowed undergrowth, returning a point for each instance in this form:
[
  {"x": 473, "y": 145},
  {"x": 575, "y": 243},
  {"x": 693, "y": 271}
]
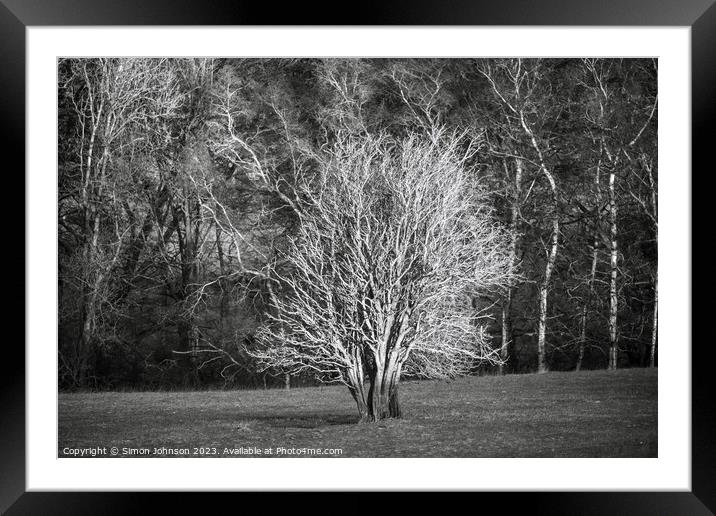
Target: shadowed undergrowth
[{"x": 586, "y": 414}]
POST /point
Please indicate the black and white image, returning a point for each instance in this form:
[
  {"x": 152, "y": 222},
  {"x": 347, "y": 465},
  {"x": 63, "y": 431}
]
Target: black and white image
[{"x": 357, "y": 257}]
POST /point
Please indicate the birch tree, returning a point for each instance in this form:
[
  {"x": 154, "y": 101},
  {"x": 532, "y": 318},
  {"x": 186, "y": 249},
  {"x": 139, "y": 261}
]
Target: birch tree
[
  {"x": 641, "y": 153},
  {"x": 616, "y": 136},
  {"x": 596, "y": 239},
  {"x": 515, "y": 83},
  {"x": 648, "y": 202},
  {"x": 643, "y": 190},
  {"x": 603, "y": 103},
  {"x": 515, "y": 201}
]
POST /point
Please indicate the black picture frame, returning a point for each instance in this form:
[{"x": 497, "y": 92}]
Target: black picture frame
[{"x": 17, "y": 15}]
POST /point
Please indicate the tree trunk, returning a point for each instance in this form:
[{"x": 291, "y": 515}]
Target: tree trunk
[
  {"x": 592, "y": 275},
  {"x": 84, "y": 348},
  {"x": 188, "y": 337},
  {"x": 551, "y": 256},
  {"x": 186, "y": 217},
  {"x": 506, "y": 331},
  {"x": 544, "y": 291},
  {"x": 587, "y": 303},
  {"x": 394, "y": 409},
  {"x": 654, "y": 329},
  {"x": 356, "y": 385},
  {"x": 582, "y": 338},
  {"x": 91, "y": 302},
  {"x": 363, "y": 411},
  {"x": 223, "y": 301},
  {"x": 383, "y": 401},
  {"x": 377, "y": 401},
  {"x": 90, "y": 297},
  {"x": 507, "y": 304},
  {"x": 613, "y": 300}
]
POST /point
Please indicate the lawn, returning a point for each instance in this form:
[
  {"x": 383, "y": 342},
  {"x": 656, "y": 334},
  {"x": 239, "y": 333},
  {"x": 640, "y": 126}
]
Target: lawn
[{"x": 585, "y": 414}]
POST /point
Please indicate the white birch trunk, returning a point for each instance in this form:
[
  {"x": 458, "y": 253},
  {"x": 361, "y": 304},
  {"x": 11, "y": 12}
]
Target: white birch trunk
[
  {"x": 613, "y": 264},
  {"x": 585, "y": 308},
  {"x": 654, "y": 329},
  {"x": 544, "y": 291},
  {"x": 551, "y": 256},
  {"x": 592, "y": 273},
  {"x": 506, "y": 306},
  {"x": 549, "y": 267}
]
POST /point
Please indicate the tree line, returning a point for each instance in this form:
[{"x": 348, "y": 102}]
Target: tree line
[{"x": 261, "y": 221}]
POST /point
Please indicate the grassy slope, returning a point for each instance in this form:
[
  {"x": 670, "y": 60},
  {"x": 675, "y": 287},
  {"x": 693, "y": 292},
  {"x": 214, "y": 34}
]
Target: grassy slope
[{"x": 586, "y": 414}]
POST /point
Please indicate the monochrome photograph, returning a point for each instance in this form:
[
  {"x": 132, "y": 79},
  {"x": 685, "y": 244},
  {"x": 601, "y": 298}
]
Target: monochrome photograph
[{"x": 357, "y": 257}]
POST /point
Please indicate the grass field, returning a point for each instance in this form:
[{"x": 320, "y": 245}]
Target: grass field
[{"x": 586, "y": 414}]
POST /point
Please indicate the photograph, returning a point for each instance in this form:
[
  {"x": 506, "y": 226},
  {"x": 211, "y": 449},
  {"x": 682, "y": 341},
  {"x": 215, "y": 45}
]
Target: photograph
[{"x": 357, "y": 257}]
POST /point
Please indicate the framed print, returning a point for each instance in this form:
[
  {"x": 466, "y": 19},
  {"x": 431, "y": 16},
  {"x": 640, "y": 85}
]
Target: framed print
[{"x": 422, "y": 244}]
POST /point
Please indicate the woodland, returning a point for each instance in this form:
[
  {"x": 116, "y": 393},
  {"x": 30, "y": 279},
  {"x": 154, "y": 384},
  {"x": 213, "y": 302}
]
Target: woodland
[{"x": 256, "y": 223}]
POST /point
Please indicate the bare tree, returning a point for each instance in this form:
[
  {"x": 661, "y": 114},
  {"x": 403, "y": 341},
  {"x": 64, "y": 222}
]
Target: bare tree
[
  {"x": 603, "y": 105},
  {"x": 515, "y": 201},
  {"x": 648, "y": 202},
  {"x": 613, "y": 270},
  {"x": 393, "y": 244},
  {"x": 644, "y": 192},
  {"x": 615, "y": 143},
  {"x": 515, "y": 82},
  {"x": 593, "y": 268},
  {"x": 114, "y": 103},
  {"x": 652, "y": 211},
  {"x": 421, "y": 89},
  {"x": 242, "y": 205}
]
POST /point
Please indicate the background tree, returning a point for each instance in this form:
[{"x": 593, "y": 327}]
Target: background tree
[
  {"x": 110, "y": 109},
  {"x": 521, "y": 87},
  {"x": 617, "y": 123}
]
